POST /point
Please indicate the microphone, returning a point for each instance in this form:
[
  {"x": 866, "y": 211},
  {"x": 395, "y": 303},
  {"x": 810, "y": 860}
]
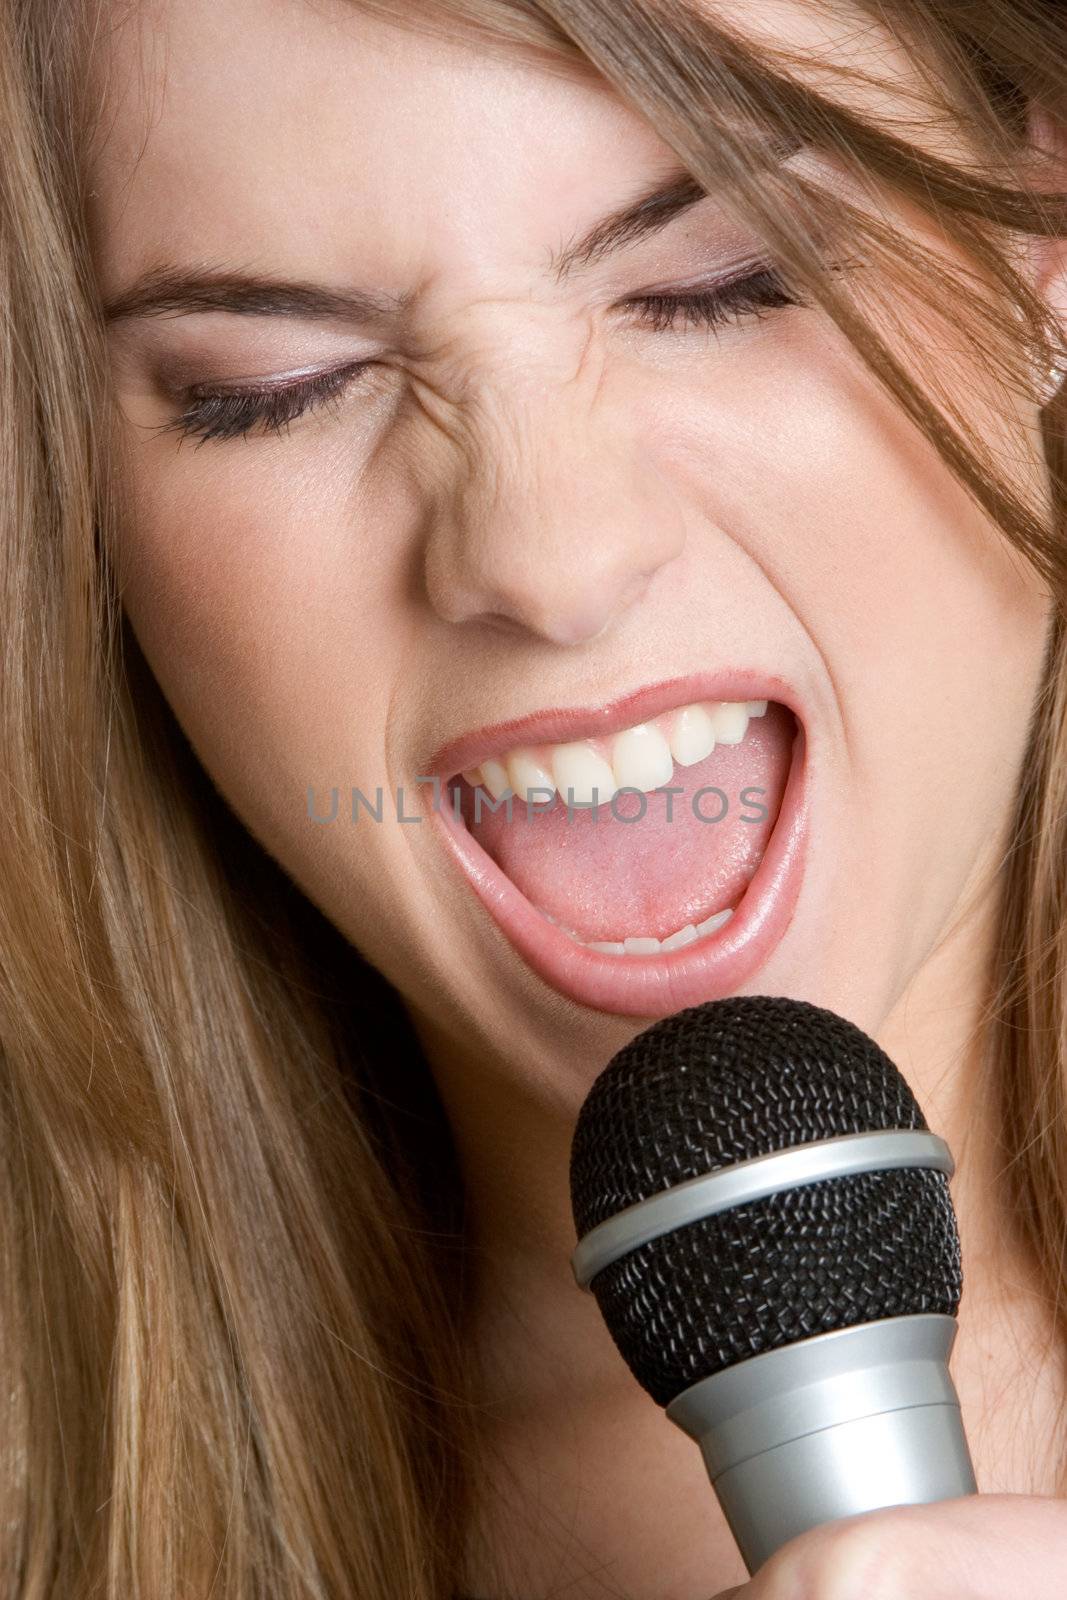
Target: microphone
[{"x": 764, "y": 1220}]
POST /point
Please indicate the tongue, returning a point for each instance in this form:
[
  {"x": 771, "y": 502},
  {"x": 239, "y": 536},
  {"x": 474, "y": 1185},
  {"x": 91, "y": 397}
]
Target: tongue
[{"x": 661, "y": 860}]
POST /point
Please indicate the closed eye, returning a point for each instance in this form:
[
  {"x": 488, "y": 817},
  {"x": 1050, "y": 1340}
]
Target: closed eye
[
  {"x": 750, "y": 294},
  {"x": 233, "y": 413},
  {"x": 230, "y": 413}
]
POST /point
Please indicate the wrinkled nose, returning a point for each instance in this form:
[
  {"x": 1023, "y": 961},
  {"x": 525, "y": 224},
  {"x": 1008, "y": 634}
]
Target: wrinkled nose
[{"x": 548, "y": 529}]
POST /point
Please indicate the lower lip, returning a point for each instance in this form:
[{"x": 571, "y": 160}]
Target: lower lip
[{"x": 658, "y": 985}]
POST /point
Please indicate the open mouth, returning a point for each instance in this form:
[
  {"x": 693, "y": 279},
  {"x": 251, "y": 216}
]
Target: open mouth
[{"x": 643, "y": 867}]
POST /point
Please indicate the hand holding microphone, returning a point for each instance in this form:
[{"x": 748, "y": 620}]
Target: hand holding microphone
[
  {"x": 765, "y": 1222},
  {"x": 985, "y": 1547}
]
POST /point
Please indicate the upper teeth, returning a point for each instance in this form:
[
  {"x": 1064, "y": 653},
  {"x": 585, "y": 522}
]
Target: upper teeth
[{"x": 588, "y": 771}]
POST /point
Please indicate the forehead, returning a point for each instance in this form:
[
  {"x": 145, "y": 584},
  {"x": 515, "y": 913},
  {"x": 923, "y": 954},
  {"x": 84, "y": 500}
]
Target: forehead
[
  {"x": 290, "y": 133},
  {"x": 268, "y": 131}
]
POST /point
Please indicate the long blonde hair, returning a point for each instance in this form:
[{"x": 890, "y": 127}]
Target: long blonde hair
[{"x": 231, "y": 1222}]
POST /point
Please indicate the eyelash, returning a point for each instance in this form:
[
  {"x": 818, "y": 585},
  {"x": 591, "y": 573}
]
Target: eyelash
[{"x": 232, "y": 414}]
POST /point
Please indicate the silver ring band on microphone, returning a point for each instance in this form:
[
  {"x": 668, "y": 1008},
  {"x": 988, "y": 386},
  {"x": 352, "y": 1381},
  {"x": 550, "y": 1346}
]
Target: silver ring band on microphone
[{"x": 744, "y": 1181}]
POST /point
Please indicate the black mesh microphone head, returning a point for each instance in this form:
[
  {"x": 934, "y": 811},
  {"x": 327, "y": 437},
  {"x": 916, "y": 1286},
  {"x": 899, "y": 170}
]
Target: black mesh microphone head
[{"x": 719, "y": 1083}]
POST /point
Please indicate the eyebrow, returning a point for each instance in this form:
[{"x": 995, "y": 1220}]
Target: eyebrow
[
  {"x": 180, "y": 291},
  {"x": 168, "y": 289},
  {"x": 651, "y": 211}
]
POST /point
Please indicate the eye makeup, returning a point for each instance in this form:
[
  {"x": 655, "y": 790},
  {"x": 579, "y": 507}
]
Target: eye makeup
[{"x": 228, "y": 412}]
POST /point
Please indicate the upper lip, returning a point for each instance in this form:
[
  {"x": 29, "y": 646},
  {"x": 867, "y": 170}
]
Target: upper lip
[{"x": 555, "y": 725}]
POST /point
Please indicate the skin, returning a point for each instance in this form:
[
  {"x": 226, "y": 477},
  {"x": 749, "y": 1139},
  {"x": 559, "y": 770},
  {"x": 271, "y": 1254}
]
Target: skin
[{"x": 330, "y": 606}]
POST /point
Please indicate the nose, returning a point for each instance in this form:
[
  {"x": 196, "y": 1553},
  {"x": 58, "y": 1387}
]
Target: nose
[{"x": 550, "y": 525}]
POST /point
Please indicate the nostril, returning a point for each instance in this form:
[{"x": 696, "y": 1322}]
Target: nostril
[{"x": 572, "y": 621}]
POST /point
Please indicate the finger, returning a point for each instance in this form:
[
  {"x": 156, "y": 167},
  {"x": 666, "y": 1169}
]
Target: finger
[{"x": 980, "y": 1547}]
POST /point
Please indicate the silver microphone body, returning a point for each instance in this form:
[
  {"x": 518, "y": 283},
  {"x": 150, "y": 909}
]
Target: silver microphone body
[{"x": 846, "y": 1422}]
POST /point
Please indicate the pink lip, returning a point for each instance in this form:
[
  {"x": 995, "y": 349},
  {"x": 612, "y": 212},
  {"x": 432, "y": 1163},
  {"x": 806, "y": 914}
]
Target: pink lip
[
  {"x": 554, "y": 726},
  {"x": 642, "y": 986}
]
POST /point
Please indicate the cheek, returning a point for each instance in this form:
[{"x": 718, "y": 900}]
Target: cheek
[
  {"x": 893, "y": 572},
  {"x": 927, "y": 626},
  {"x": 266, "y": 605}
]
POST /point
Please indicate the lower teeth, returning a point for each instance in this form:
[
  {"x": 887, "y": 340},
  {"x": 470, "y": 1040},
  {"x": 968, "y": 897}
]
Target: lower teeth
[{"x": 644, "y": 946}]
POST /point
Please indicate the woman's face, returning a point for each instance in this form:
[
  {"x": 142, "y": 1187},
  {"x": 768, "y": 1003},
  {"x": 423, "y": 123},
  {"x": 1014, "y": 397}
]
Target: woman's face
[{"x": 534, "y": 526}]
